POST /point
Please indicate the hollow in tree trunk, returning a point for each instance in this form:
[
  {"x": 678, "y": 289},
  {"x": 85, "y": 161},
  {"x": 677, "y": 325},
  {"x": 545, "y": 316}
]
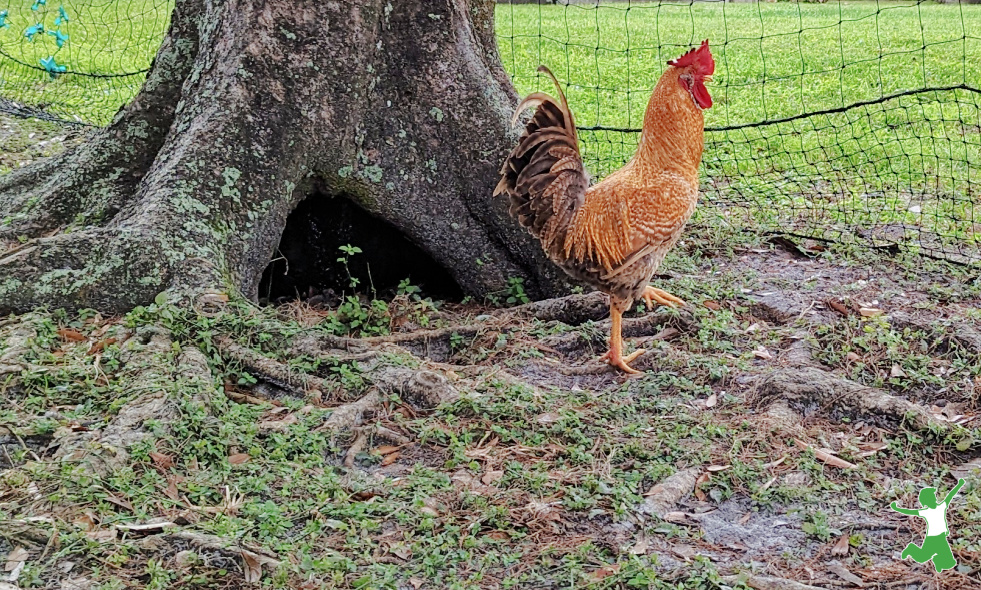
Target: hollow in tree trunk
[{"x": 397, "y": 111}]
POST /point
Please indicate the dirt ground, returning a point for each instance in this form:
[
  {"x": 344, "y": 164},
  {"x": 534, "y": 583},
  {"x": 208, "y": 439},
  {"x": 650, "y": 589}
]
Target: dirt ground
[
  {"x": 413, "y": 444},
  {"x": 342, "y": 441}
]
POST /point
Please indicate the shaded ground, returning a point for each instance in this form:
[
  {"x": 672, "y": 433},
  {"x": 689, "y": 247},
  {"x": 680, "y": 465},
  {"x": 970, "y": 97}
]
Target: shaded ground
[{"x": 469, "y": 446}]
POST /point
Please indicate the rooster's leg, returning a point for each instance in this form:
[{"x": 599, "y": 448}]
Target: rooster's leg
[
  {"x": 614, "y": 356},
  {"x": 652, "y": 295}
]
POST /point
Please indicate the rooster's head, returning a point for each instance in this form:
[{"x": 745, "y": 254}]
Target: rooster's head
[{"x": 696, "y": 66}]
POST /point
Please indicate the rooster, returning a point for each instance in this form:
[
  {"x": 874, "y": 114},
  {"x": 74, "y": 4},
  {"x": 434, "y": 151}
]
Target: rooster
[{"x": 613, "y": 235}]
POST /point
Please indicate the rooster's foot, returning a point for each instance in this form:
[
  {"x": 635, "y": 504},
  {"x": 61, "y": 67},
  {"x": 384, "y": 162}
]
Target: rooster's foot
[
  {"x": 616, "y": 359},
  {"x": 652, "y": 295}
]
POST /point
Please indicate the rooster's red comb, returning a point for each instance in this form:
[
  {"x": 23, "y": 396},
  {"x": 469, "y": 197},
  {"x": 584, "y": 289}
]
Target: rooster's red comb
[{"x": 701, "y": 56}]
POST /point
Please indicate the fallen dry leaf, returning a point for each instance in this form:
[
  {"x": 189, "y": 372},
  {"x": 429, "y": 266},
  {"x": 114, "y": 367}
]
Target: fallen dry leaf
[
  {"x": 390, "y": 458},
  {"x": 491, "y": 477},
  {"x": 15, "y": 573},
  {"x": 870, "y": 311},
  {"x": 870, "y": 448},
  {"x": 773, "y": 464},
  {"x": 711, "y": 401},
  {"x": 101, "y": 345},
  {"x": 386, "y": 449},
  {"x": 841, "y": 546},
  {"x": 762, "y": 353},
  {"x": 70, "y": 334},
  {"x": 547, "y": 418},
  {"x": 416, "y": 583},
  {"x": 288, "y": 420},
  {"x": 685, "y": 552},
  {"x": 838, "y": 307},
  {"x": 102, "y": 536},
  {"x": 171, "y": 490},
  {"x": 162, "y": 461},
  {"x": 676, "y": 517},
  {"x": 238, "y": 458},
  {"x": 703, "y": 477},
  {"x": 85, "y": 522},
  {"x": 852, "y": 357},
  {"x": 401, "y": 550},
  {"x": 119, "y": 502},
  {"x": 252, "y": 569},
  {"x": 897, "y": 371},
  {"x": 605, "y": 572},
  {"x": 18, "y": 555},
  {"x": 713, "y": 305}
]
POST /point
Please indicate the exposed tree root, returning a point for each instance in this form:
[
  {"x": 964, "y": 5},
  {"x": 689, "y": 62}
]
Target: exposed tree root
[
  {"x": 351, "y": 415},
  {"x": 964, "y": 334},
  {"x": 571, "y": 309},
  {"x": 770, "y": 583},
  {"x": 662, "y": 498},
  {"x": 802, "y": 387},
  {"x": 15, "y": 337},
  {"x": 296, "y": 383},
  {"x": 421, "y": 389},
  {"x": 253, "y": 559},
  {"x": 146, "y": 368}
]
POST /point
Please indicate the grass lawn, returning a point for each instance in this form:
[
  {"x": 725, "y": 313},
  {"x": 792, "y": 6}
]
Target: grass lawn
[
  {"x": 901, "y": 168},
  {"x": 897, "y": 170},
  {"x": 534, "y": 476},
  {"x": 109, "y": 43}
]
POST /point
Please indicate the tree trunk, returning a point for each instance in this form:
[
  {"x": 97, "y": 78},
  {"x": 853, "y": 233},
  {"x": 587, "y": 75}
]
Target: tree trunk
[{"x": 401, "y": 109}]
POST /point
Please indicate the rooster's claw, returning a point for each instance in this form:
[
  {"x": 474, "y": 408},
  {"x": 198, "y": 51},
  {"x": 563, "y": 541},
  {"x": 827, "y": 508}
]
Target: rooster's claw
[
  {"x": 617, "y": 360},
  {"x": 652, "y": 295}
]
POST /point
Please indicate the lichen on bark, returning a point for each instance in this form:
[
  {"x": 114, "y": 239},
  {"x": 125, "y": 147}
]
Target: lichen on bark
[{"x": 249, "y": 107}]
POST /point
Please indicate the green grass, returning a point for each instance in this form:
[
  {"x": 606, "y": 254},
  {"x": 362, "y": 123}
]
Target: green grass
[
  {"x": 899, "y": 169},
  {"x": 105, "y": 38},
  {"x": 810, "y": 56},
  {"x": 511, "y": 486},
  {"x": 828, "y": 174}
]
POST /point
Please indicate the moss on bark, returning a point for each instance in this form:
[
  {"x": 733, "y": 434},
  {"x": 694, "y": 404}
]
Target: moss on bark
[{"x": 402, "y": 107}]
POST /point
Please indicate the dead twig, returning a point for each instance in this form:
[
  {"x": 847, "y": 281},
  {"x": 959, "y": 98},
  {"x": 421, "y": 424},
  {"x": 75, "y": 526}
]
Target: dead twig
[{"x": 824, "y": 456}]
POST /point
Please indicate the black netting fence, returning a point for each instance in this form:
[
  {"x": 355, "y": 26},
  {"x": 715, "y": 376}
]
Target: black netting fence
[
  {"x": 76, "y": 61},
  {"x": 837, "y": 120}
]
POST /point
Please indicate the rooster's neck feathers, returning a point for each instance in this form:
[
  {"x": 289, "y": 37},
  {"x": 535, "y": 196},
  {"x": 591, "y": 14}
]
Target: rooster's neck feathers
[{"x": 672, "y": 137}]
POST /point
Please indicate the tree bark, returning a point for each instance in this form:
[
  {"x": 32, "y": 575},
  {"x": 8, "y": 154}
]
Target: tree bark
[{"x": 252, "y": 106}]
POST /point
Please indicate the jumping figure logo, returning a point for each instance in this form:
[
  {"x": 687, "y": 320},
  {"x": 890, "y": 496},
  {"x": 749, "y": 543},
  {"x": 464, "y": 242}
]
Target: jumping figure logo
[{"x": 935, "y": 545}]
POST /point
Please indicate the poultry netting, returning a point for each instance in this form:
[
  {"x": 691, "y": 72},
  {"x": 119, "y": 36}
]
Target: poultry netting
[
  {"x": 842, "y": 121},
  {"x": 836, "y": 121},
  {"x": 76, "y": 61}
]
